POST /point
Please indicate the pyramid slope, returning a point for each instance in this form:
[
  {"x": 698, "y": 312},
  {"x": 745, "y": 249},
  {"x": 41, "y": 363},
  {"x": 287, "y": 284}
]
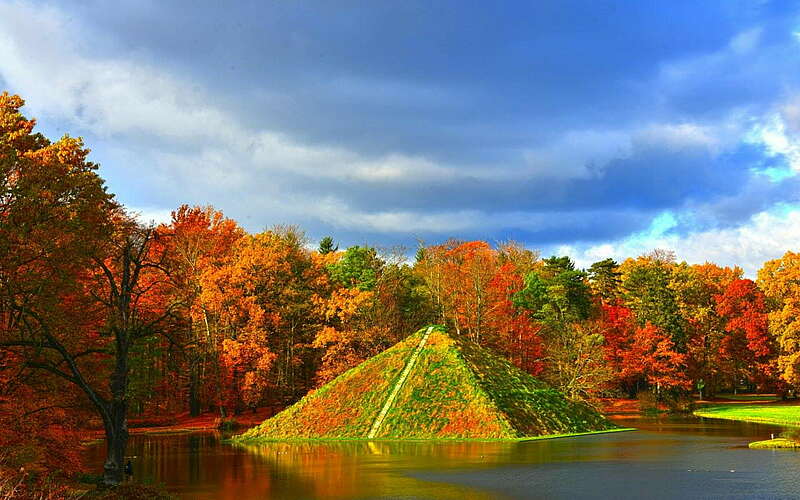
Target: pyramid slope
[
  {"x": 345, "y": 407},
  {"x": 532, "y": 407},
  {"x": 443, "y": 399},
  {"x": 455, "y": 390}
]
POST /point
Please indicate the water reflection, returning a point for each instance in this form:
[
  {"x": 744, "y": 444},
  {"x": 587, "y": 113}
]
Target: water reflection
[{"x": 664, "y": 451}]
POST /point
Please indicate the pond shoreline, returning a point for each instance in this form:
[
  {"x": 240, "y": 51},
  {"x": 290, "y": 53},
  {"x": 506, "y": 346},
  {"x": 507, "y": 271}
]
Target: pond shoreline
[{"x": 683, "y": 455}]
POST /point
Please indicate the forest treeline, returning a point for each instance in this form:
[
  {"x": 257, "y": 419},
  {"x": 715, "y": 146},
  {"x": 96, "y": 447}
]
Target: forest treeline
[{"x": 103, "y": 317}]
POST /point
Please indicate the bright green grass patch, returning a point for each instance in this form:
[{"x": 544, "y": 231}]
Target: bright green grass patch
[
  {"x": 748, "y": 397},
  {"x": 576, "y": 434},
  {"x": 775, "y": 444},
  {"x": 767, "y": 413},
  {"x": 442, "y": 398}
]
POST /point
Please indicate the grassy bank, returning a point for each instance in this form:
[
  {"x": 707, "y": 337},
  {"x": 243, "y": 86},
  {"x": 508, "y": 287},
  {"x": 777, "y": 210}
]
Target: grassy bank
[
  {"x": 324, "y": 440},
  {"x": 184, "y": 423},
  {"x": 768, "y": 413},
  {"x": 777, "y": 443}
]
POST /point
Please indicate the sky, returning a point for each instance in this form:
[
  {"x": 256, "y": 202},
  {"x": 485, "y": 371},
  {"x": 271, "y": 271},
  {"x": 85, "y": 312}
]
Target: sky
[{"x": 593, "y": 129}]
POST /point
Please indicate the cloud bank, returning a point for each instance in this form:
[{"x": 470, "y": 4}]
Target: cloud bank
[{"x": 572, "y": 128}]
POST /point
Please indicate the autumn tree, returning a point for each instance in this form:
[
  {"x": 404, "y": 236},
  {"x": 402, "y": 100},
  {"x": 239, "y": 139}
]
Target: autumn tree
[
  {"x": 646, "y": 283},
  {"x": 430, "y": 266},
  {"x": 523, "y": 260},
  {"x": 265, "y": 295},
  {"x": 197, "y": 238},
  {"x": 606, "y": 280},
  {"x": 779, "y": 280},
  {"x": 695, "y": 288},
  {"x": 468, "y": 270},
  {"x": 471, "y": 288},
  {"x": 652, "y": 357},
  {"x": 515, "y": 334},
  {"x": 747, "y": 345},
  {"x": 58, "y": 240},
  {"x": 558, "y": 297},
  {"x": 618, "y": 328},
  {"x": 640, "y": 356},
  {"x": 375, "y": 301},
  {"x": 127, "y": 278}
]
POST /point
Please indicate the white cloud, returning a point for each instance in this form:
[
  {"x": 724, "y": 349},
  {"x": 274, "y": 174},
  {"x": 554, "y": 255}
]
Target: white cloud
[
  {"x": 133, "y": 98},
  {"x": 681, "y": 136},
  {"x": 790, "y": 113},
  {"x": 774, "y": 134},
  {"x": 746, "y": 41},
  {"x": 767, "y": 235},
  {"x": 150, "y": 215}
]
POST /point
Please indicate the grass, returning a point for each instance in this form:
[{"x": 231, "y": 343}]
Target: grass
[
  {"x": 775, "y": 444},
  {"x": 330, "y": 440},
  {"x": 457, "y": 390},
  {"x": 748, "y": 397},
  {"x": 343, "y": 408},
  {"x": 576, "y": 434},
  {"x": 532, "y": 407},
  {"x": 769, "y": 413},
  {"x": 442, "y": 399}
]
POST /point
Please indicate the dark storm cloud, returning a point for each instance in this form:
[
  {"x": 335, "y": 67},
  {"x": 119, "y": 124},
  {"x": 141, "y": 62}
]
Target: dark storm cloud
[{"x": 454, "y": 80}]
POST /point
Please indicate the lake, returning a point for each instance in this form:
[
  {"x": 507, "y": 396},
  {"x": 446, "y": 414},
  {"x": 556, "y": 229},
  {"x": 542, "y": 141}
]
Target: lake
[{"x": 668, "y": 457}]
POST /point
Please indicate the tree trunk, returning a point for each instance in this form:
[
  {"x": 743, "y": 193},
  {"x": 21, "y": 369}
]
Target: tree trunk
[
  {"x": 116, "y": 421},
  {"x": 116, "y": 443},
  {"x": 194, "y": 383}
]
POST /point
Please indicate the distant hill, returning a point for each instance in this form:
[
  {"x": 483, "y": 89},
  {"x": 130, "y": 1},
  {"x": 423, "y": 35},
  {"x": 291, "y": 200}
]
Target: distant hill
[{"x": 431, "y": 386}]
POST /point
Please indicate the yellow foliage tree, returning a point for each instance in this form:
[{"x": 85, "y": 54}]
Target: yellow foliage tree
[{"x": 780, "y": 281}]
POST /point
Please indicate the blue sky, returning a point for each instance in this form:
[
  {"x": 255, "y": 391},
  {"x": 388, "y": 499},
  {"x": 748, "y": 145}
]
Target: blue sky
[{"x": 590, "y": 128}]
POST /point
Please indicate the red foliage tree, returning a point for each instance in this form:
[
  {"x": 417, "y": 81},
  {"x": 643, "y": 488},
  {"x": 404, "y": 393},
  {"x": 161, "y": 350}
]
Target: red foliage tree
[
  {"x": 747, "y": 348},
  {"x": 517, "y": 336},
  {"x": 640, "y": 355}
]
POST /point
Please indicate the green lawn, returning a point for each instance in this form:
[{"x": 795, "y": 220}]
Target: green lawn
[
  {"x": 770, "y": 413},
  {"x": 748, "y": 397},
  {"x": 777, "y": 443}
]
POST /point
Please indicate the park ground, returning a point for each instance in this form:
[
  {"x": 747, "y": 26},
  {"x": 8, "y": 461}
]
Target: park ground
[{"x": 753, "y": 409}]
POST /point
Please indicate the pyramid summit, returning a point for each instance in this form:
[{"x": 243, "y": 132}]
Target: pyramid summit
[{"x": 431, "y": 386}]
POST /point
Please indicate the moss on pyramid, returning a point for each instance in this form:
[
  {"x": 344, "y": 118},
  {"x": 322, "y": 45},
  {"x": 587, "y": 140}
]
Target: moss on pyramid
[{"x": 455, "y": 389}]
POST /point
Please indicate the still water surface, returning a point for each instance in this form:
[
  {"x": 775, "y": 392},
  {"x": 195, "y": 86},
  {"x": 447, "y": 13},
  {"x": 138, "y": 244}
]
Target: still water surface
[{"x": 665, "y": 458}]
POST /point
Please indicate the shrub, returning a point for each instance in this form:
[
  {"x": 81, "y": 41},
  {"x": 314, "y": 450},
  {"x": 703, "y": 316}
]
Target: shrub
[
  {"x": 227, "y": 424},
  {"x": 648, "y": 404}
]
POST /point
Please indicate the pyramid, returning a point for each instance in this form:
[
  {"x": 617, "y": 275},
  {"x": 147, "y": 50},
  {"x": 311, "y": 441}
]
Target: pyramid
[{"x": 431, "y": 386}]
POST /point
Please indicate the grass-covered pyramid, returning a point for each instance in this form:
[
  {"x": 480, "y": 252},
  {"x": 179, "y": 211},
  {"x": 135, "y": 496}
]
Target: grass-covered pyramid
[{"x": 452, "y": 388}]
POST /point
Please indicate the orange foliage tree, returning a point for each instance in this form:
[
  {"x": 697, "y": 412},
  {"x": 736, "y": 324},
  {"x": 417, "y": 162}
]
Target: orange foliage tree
[
  {"x": 374, "y": 301},
  {"x": 779, "y": 280},
  {"x": 57, "y": 220},
  {"x": 472, "y": 286},
  {"x": 197, "y": 239},
  {"x": 264, "y": 296}
]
